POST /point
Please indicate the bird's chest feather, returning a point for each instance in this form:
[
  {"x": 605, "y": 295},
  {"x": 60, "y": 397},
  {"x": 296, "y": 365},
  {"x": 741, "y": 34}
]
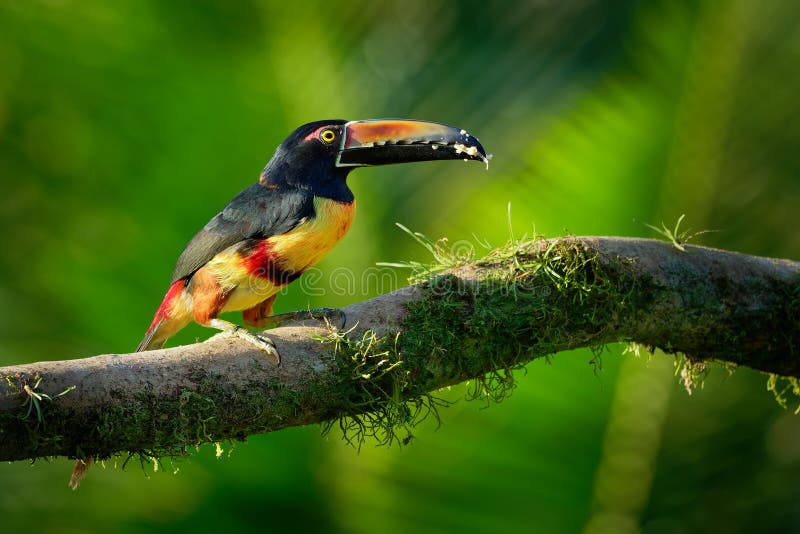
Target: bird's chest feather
[
  {"x": 283, "y": 258},
  {"x": 309, "y": 242},
  {"x": 253, "y": 274}
]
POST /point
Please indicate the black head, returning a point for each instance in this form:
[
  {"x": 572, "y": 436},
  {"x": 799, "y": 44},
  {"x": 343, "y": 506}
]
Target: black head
[
  {"x": 307, "y": 158},
  {"x": 318, "y": 156}
]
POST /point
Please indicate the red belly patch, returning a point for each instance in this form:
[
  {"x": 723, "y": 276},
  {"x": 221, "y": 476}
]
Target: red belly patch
[{"x": 260, "y": 260}]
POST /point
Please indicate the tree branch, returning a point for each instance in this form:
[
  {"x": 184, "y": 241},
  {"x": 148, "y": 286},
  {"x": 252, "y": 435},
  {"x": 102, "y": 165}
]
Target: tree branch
[{"x": 490, "y": 316}]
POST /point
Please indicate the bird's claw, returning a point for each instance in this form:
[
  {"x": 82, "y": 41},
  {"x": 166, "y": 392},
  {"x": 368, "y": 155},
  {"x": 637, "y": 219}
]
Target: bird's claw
[{"x": 262, "y": 342}]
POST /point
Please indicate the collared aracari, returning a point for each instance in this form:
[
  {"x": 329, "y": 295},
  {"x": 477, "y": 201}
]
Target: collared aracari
[
  {"x": 289, "y": 220},
  {"x": 274, "y": 230}
]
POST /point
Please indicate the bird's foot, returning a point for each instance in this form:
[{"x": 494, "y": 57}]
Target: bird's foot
[
  {"x": 262, "y": 342},
  {"x": 333, "y": 316}
]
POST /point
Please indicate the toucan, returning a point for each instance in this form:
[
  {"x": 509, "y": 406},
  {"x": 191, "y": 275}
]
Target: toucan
[{"x": 285, "y": 223}]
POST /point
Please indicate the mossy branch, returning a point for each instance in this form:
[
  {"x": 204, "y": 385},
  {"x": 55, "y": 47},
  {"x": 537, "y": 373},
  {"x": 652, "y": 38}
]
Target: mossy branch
[{"x": 476, "y": 321}]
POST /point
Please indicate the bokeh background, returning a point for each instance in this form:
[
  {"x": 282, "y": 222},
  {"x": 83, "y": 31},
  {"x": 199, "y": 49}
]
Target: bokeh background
[{"x": 124, "y": 126}]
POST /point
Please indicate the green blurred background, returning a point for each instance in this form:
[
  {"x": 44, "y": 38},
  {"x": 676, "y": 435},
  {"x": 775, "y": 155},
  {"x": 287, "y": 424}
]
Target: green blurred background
[{"x": 124, "y": 126}]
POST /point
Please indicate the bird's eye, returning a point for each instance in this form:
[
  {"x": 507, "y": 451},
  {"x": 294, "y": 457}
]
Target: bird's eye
[{"x": 327, "y": 136}]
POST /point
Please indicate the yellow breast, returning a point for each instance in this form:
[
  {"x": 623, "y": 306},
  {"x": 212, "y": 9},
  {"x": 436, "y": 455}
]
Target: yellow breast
[
  {"x": 309, "y": 242},
  {"x": 294, "y": 252}
]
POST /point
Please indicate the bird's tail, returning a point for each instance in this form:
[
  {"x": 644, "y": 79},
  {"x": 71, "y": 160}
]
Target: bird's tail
[
  {"x": 170, "y": 317},
  {"x": 165, "y": 323},
  {"x": 152, "y": 340}
]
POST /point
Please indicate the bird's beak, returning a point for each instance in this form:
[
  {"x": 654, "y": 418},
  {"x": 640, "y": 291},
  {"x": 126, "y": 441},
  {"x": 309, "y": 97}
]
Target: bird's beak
[{"x": 385, "y": 141}]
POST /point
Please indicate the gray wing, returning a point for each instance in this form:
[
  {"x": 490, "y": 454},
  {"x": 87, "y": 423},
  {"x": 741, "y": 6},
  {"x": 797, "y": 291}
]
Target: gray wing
[{"x": 256, "y": 213}]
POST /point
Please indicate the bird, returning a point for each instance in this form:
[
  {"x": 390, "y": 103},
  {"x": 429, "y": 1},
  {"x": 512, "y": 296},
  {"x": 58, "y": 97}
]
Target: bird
[{"x": 285, "y": 223}]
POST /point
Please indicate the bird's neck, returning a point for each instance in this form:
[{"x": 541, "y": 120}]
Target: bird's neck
[{"x": 319, "y": 181}]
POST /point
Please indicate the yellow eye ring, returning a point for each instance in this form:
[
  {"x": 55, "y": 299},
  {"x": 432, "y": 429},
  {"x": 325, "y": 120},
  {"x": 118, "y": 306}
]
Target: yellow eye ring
[{"x": 327, "y": 136}]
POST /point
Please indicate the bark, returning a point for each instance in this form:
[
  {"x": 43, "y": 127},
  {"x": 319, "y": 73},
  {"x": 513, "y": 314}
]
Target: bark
[{"x": 474, "y": 321}]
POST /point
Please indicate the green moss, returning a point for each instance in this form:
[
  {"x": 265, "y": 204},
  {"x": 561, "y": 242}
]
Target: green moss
[
  {"x": 478, "y": 330},
  {"x": 378, "y": 398},
  {"x": 784, "y": 387},
  {"x": 152, "y": 429},
  {"x": 33, "y": 422},
  {"x": 34, "y": 400},
  {"x": 544, "y": 302}
]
